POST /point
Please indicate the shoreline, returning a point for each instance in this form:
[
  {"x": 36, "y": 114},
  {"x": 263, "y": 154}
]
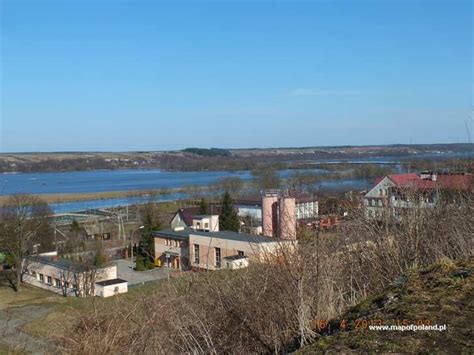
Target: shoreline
[{"x": 86, "y": 196}]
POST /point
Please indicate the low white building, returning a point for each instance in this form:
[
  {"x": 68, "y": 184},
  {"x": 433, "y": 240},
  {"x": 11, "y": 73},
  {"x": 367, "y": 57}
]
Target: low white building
[
  {"x": 110, "y": 288},
  {"x": 403, "y": 191},
  {"x": 206, "y": 223},
  {"x": 64, "y": 276},
  {"x": 235, "y": 262}
]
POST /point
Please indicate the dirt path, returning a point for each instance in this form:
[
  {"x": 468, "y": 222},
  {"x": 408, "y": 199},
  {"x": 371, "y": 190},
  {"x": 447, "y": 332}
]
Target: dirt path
[{"x": 11, "y": 322}]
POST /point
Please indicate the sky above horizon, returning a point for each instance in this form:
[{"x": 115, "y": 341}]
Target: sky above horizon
[{"x": 113, "y": 75}]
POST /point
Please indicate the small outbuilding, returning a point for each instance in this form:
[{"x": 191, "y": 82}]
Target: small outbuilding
[
  {"x": 110, "y": 288},
  {"x": 236, "y": 262}
]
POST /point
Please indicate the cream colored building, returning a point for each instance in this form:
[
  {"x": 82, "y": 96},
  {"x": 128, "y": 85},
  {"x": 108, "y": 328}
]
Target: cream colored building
[
  {"x": 186, "y": 248},
  {"x": 64, "y": 276},
  {"x": 111, "y": 287}
]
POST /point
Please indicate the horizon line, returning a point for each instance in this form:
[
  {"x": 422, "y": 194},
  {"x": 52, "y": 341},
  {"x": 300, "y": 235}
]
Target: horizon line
[{"x": 237, "y": 149}]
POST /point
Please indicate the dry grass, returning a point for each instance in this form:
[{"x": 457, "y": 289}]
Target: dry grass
[
  {"x": 438, "y": 294},
  {"x": 271, "y": 308},
  {"x": 64, "y": 313},
  {"x": 56, "y": 198},
  {"x": 6, "y": 349},
  {"x": 28, "y": 296}
]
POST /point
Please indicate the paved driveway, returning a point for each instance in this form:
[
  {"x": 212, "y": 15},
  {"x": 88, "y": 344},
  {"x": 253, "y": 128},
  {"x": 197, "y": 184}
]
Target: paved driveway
[{"x": 125, "y": 271}]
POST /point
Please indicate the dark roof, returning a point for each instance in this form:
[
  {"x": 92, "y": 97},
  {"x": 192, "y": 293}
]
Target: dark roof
[
  {"x": 111, "y": 282},
  {"x": 188, "y": 213},
  {"x": 305, "y": 198},
  {"x": 203, "y": 216},
  {"x": 243, "y": 237},
  {"x": 249, "y": 202},
  {"x": 62, "y": 263}
]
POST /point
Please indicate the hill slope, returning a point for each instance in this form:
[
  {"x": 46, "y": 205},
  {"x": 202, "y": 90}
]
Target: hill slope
[{"x": 441, "y": 294}]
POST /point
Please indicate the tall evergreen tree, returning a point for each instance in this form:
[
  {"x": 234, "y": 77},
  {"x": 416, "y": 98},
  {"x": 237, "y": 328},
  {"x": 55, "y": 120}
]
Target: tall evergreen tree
[
  {"x": 150, "y": 223},
  {"x": 203, "y": 208},
  {"x": 146, "y": 241},
  {"x": 228, "y": 218}
]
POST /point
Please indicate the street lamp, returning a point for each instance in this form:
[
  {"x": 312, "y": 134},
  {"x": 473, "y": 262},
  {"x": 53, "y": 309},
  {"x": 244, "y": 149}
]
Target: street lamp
[{"x": 131, "y": 240}]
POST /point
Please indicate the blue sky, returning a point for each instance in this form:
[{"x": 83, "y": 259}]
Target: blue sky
[{"x": 157, "y": 75}]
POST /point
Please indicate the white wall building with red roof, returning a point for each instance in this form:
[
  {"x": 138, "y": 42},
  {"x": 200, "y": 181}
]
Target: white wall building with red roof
[{"x": 397, "y": 191}]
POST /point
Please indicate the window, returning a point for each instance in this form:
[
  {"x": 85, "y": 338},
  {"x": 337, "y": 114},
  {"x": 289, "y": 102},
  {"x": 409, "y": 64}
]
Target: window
[
  {"x": 33, "y": 273},
  {"x": 50, "y": 280},
  {"x": 206, "y": 225},
  {"x": 176, "y": 243},
  {"x": 57, "y": 282},
  {"x": 66, "y": 284},
  {"x": 41, "y": 278},
  {"x": 116, "y": 289},
  {"x": 218, "y": 257},
  {"x": 196, "y": 253},
  {"x": 240, "y": 253}
]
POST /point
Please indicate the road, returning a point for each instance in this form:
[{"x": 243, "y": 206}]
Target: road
[{"x": 125, "y": 271}]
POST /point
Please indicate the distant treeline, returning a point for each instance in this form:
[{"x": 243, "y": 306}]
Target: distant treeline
[
  {"x": 213, "y": 152},
  {"x": 198, "y": 159}
]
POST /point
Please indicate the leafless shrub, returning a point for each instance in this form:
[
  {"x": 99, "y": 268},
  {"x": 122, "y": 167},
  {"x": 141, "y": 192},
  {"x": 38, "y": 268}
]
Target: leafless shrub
[{"x": 271, "y": 308}]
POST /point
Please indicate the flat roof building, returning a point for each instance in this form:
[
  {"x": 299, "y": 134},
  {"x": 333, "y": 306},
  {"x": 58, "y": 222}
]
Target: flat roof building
[{"x": 188, "y": 248}]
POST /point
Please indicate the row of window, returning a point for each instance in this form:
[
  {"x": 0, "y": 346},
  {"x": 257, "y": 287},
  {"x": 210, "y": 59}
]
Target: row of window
[
  {"x": 172, "y": 242},
  {"x": 217, "y": 255},
  {"x": 378, "y": 213},
  {"x": 46, "y": 279},
  {"x": 205, "y": 225},
  {"x": 376, "y": 202},
  {"x": 373, "y": 202},
  {"x": 306, "y": 210}
]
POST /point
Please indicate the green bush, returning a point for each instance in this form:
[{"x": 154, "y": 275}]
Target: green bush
[
  {"x": 149, "y": 264},
  {"x": 139, "y": 265}
]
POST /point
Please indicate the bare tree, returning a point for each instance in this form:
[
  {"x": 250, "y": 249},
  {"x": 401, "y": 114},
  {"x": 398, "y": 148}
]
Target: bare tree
[{"x": 25, "y": 230}]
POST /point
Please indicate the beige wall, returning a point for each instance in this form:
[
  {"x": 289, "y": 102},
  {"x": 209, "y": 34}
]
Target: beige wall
[
  {"x": 207, "y": 250},
  {"x": 254, "y": 251},
  {"x": 62, "y": 280},
  {"x": 165, "y": 245}
]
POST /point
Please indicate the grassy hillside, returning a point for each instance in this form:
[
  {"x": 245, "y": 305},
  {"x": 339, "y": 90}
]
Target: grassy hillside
[{"x": 441, "y": 294}]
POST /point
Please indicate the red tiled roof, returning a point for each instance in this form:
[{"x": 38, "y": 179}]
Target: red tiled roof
[
  {"x": 444, "y": 181},
  {"x": 404, "y": 179},
  {"x": 458, "y": 182}
]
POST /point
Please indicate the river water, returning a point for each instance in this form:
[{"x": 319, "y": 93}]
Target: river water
[
  {"x": 127, "y": 180},
  {"x": 152, "y": 179}
]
